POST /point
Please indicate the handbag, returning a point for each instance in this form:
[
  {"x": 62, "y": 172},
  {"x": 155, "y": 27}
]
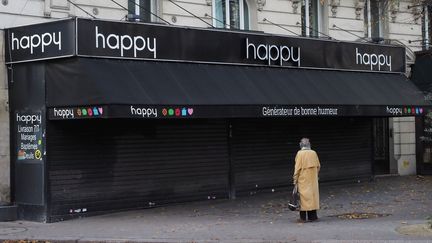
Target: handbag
[{"x": 294, "y": 203}]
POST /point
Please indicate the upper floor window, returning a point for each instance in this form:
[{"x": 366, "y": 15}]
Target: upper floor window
[
  {"x": 232, "y": 14},
  {"x": 141, "y": 10},
  {"x": 374, "y": 19},
  {"x": 313, "y": 15}
]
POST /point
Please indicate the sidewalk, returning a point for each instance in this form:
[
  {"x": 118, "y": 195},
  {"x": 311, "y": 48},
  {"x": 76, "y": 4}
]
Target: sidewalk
[{"x": 387, "y": 203}]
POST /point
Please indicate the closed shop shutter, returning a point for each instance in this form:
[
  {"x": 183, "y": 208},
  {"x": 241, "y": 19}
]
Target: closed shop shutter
[
  {"x": 263, "y": 150},
  {"x": 102, "y": 165}
]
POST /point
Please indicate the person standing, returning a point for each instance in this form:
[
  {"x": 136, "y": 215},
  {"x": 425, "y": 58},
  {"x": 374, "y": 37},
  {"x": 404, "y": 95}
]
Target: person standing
[{"x": 305, "y": 176}]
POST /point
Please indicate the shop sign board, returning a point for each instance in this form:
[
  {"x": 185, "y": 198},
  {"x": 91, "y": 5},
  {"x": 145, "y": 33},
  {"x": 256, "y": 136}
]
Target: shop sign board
[
  {"x": 155, "y": 42},
  {"x": 229, "y": 111},
  {"x": 40, "y": 42},
  {"x": 167, "y": 43},
  {"x": 29, "y": 135}
]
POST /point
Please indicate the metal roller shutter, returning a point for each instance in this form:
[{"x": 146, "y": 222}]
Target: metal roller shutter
[
  {"x": 263, "y": 150},
  {"x": 103, "y": 165}
]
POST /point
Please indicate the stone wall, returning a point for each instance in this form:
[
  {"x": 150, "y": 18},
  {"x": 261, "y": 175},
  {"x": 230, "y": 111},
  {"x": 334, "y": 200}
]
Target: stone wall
[
  {"x": 404, "y": 145},
  {"x": 4, "y": 129}
]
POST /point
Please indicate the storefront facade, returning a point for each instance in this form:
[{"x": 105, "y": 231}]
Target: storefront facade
[{"x": 111, "y": 116}]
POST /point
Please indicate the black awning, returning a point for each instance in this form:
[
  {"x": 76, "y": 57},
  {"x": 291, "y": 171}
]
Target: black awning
[{"x": 90, "y": 82}]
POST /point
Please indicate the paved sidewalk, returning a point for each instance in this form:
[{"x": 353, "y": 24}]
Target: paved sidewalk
[{"x": 389, "y": 203}]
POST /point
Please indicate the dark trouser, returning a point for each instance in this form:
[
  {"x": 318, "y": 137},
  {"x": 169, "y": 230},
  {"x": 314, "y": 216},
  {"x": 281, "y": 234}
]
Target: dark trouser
[{"x": 311, "y": 215}]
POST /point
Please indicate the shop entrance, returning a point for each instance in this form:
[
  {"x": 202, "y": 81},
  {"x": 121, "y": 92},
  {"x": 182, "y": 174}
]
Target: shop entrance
[{"x": 381, "y": 164}]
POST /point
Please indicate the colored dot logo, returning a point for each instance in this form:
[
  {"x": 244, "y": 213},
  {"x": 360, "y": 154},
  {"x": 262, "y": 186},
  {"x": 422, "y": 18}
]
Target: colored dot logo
[
  {"x": 171, "y": 112},
  {"x": 178, "y": 112},
  {"x": 190, "y": 111},
  {"x": 90, "y": 111},
  {"x": 413, "y": 110},
  {"x": 95, "y": 111}
]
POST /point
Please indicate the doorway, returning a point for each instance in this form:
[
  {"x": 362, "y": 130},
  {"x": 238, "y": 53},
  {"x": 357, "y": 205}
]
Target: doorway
[{"x": 381, "y": 164}]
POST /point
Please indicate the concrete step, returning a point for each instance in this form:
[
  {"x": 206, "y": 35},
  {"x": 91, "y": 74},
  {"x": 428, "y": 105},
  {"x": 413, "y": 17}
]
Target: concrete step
[{"x": 8, "y": 213}]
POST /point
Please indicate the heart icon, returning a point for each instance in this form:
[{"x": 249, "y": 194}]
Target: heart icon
[
  {"x": 421, "y": 110},
  {"x": 190, "y": 111},
  {"x": 100, "y": 109}
]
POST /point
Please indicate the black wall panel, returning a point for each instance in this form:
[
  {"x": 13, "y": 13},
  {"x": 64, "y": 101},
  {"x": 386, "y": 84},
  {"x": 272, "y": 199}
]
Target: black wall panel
[
  {"x": 26, "y": 82},
  {"x": 102, "y": 165}
]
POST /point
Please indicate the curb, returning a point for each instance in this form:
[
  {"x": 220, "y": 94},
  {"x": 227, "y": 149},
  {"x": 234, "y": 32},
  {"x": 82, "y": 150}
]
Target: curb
[{"x": 99, "y": 240}]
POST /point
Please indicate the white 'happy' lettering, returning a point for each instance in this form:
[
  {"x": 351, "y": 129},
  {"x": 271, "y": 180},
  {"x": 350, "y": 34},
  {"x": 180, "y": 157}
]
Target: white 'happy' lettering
[
  {"x": 125, "y": 43},
  {"x": 28, "y": 118},
  {"x": 144, "y": 112},
  {"x": 373, "y": 60},
  {"x": 36, "y": 41},
  {"x": 272, "y": 53}
]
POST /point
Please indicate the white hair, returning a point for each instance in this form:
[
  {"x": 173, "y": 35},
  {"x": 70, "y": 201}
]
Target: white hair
[{"x": 304, "y": 143}]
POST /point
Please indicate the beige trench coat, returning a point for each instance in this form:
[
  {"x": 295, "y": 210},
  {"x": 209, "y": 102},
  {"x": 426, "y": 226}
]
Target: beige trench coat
[{"x": 306, "y": 171}]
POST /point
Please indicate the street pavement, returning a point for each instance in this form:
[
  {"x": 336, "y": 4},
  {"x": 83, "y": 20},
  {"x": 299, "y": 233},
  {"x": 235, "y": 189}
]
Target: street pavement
[{"x": 370, "y": 211}]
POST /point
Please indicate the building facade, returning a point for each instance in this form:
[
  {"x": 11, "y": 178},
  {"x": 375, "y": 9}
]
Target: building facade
[{"x": 388, "y": 22}]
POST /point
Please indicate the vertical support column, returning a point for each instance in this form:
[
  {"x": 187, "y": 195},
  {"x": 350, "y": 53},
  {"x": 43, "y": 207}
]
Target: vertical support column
[{"x": 392, "y": 157}]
